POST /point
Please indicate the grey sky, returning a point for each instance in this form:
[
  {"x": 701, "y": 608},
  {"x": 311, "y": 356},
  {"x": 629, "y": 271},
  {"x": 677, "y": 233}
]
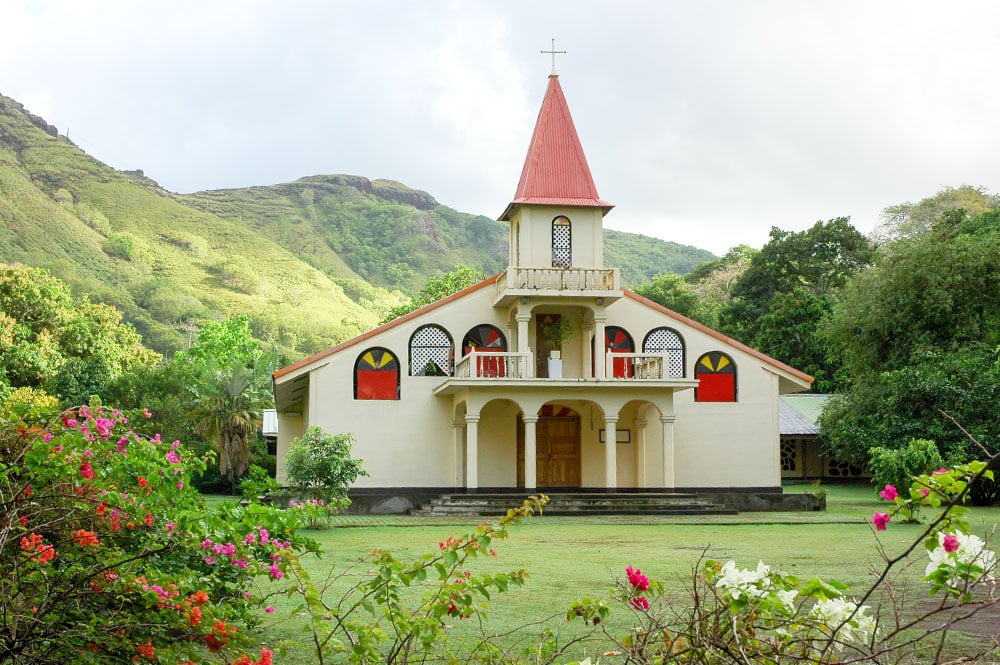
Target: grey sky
[{"x": 704, "y": 122}]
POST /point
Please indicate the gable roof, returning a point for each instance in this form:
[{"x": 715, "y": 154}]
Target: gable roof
[
  {"x": 305, "y": 362},
  {"x": 799, "y": 414},
  {"x": 555, "y": 170},
  {"x": 802, "y": 377}
]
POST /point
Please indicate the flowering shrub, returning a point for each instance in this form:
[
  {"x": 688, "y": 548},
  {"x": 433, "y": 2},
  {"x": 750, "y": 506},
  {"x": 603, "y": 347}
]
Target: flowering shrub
[
  {"x": 762, "y": 615},
  {"x": 314, "y": 511},
  {"x": 109, "y": 552}
]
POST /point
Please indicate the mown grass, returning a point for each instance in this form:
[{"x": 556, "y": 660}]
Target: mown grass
[{"x": 569, "y": 558}]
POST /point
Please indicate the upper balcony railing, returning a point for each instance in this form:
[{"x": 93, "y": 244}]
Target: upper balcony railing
[
  {"x": 517, "y": 282},
  {"x": 494, "y": 365},
  {"x": 498, "y": 366}
]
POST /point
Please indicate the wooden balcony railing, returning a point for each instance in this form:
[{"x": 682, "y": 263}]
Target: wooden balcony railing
[{"x": 637, "y": 366}]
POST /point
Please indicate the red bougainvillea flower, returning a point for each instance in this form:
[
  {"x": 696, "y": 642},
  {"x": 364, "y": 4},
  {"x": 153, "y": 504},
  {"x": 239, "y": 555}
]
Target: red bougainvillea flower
[
  {"x": 86, "y": 470},
  {"x": 880, "y": 520},
  {"x": 889, "y": 493},
  {"x": 636, "y": 578},
  {"x": 950, "y": 543},
  {"x": 640, "y": 603},
  {"x": 85, "y": 538}
]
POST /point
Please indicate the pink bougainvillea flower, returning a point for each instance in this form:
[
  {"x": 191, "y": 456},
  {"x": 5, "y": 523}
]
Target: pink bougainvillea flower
[
  {"x": 640, "y": 603},
  {"x": 880, "y": 520},
  {"x": 87, "y": 471},
  {"x": 924, "y": 491},
  {"x": 269, "y": 609},
  {"x": 950, "y": 543},
  {"x": 940, "y": 472},
  {"x": 889, "y": 493}
]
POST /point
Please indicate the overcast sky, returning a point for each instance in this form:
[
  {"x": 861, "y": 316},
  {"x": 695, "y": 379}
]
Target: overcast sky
[{"x": 705, "y": 123}]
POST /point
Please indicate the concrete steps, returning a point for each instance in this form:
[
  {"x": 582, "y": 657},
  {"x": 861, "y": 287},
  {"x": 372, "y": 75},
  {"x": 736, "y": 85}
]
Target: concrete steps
[{"x": 578, "y": 503}]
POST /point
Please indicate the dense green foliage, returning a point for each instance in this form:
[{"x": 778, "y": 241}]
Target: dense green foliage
[
  {"x": 897, "y": 466},
  {"x": 110, "y": 555},
  {"x": 918, "y": 335},
  {"x": 670, "y": 290},
  {"x": 68, "y": 346},
  {"x": 438, "y": 287},
  {"x": 320, "y": 466},
  {"x": 640, "y": 257}
]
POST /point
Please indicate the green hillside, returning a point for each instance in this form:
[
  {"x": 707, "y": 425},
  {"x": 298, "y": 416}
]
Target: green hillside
[
  {"x": 166, "y": 265},
  {"x": 312, "y": 262}
]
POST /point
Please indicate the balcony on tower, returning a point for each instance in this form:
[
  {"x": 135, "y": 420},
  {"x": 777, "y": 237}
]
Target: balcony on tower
[{"x": 518, "y": 282}]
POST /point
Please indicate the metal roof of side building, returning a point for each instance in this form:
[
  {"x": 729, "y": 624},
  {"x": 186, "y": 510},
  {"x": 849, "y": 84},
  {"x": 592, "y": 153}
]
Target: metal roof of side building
[{"x": 798, "y": 414}]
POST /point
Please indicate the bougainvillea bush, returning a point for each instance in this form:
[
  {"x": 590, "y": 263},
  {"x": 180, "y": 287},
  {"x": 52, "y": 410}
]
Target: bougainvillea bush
[{"x": 109, "y": 555}]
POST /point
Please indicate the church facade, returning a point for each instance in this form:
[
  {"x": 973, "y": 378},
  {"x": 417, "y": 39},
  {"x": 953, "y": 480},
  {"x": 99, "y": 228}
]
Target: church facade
[{"x": 549, "y": 375}]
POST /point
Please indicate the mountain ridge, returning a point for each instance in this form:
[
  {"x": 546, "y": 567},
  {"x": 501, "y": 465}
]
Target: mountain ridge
[{"x": 312, "y": 262}]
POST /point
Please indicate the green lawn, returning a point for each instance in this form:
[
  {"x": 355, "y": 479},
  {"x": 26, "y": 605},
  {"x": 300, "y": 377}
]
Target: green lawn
[{"x": 573, "y": 557}]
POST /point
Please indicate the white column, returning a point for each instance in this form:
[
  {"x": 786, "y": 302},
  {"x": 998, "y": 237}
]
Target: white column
[
  {"x": 472, "y": 451},
  {"x": 459, "y": 426},
  {"x": 523, "y": 318},
  {"x": 640, "y": 452},
  {"x": 587, "y": 353},
  {"x": 599, "y": 365},
  {"x": 610, "y": 452},
  {"x": 530, "y": 452},
  {"x": 668, "y": 450}
]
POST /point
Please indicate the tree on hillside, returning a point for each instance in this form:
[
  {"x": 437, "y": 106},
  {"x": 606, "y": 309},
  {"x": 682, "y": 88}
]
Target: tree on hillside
[
  {"x": 818, "y": 260},
  {"x": 918, "y": 335},
  {"x": 670, "y": 290},
  {"x": 436, "y": 288},
  {"x": 909, "y": 220},
  {"x": 713, "y": 281},
  {"x": 66, "y": 345}
]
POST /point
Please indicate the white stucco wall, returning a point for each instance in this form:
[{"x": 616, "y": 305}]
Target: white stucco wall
[{"x": 412, "y": 442}]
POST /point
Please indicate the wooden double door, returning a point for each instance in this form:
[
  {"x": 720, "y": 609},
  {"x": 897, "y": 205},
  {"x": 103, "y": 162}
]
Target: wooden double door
[{"x": 557, "y": 451}]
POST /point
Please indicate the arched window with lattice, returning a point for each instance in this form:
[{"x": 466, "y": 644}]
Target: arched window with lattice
[
  {"x": 562, "y": 242},
  {"x": 716, "y": 375},
  {"x": 376, "y": 375},
  {"x": 667, "y": 341},
  {"x": 431, "y": 352}
]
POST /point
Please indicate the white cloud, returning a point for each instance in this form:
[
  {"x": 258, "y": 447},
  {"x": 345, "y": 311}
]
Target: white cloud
[{"x": 706, "y": 123}]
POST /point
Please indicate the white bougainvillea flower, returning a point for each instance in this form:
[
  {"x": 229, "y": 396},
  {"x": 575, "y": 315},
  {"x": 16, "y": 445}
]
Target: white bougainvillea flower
[
  {"x": 971, "y": 550},
  {"x": 836, "y": 615}
]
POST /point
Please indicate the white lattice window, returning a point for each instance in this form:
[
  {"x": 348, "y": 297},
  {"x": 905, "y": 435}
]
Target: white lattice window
[
  {"x": 431, "y": 352},
  {"x": 668, "y": 341},
  {"x": 562, "y": 243}
]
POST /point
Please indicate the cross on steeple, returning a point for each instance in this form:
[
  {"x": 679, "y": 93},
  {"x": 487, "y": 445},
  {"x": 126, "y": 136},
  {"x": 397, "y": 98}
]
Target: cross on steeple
[{"x": 553, "y": 53}]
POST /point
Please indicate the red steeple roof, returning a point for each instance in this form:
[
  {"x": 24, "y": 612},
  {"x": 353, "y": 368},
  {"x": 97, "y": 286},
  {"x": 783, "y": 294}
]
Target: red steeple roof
[{"x": 555, "y": 171}]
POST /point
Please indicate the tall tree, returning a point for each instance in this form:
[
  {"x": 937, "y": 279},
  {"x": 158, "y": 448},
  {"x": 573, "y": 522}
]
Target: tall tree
[
  {"x": 910, "y": 220},
  {"x": 670, "y": 290},
  {"x": 438, "y": 287},
  {"x": 918, "y": 335},
  {"x": 227, "y": 408},
  {"x": 818, "y": 260}
]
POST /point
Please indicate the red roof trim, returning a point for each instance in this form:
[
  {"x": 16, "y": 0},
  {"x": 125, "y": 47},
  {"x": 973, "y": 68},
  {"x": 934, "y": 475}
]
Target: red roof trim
[
  {"x": 719, "y": 336},
  {"x": 385, "y": 326}
]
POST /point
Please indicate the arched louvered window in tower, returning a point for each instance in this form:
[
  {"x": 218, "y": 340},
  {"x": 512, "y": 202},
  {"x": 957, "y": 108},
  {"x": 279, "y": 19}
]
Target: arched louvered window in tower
[
  {"x": 562, "y": 242},
  {"x": 431, "y": 352},
  {"x": 667, "y": 341},
  {"x": 716, "y": 375},
  {"x": 376, "y": 375}
]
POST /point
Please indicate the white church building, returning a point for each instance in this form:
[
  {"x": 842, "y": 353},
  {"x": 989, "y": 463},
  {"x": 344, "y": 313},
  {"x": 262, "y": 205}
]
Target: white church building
[{"x": 549, "y": 375}]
